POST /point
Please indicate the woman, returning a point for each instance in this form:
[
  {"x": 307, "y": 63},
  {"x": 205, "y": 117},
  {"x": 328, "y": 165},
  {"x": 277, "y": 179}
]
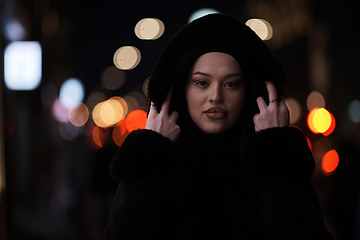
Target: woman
[{"x": 217, "y": 158}]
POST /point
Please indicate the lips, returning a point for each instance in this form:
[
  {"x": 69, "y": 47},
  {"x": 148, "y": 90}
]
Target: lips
[{"x": 216, "y": 113}]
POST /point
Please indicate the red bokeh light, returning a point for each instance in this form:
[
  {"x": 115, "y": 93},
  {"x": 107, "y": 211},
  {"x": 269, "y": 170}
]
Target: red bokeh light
[{"x": 136, "y": 120}]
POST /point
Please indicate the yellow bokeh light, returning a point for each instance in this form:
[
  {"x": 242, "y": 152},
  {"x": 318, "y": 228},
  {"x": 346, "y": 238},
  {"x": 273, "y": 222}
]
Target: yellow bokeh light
[
  {"x": 149, "y": 29},
  {"x": 127, "y": 57},
  {"x": 78, "y": 114},
  {"x": 315, "y": 100},
  {"x": 261, "y": 27},
  {"x": 97, "y": 117},
  {"x": 110, "y": 112},
  {"x": 319, "y": 120},
  {"x": 294, "y": 109},
  {"x": 123, "y": 104}
]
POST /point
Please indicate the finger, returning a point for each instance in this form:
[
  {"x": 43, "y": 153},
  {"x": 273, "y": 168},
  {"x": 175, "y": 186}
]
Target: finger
[
  {"x": 174, "y": 116},
  {"x": 152, "y": 110},
  {"x": 261, "y": 104},
  {"x": 271, "y": 90},
  {"x": 166, "y": 105}
]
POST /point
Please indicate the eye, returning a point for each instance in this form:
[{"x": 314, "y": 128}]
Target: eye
[
  {"x": 231, "y": 85},
  {"x": 201, "y": 83}
]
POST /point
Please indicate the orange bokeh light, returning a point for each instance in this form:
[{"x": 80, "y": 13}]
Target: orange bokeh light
[
  {"x": 330, "y": 162},
  {"x": 99, "y": 135},
  {"x": 120, "y": 133},
  {"x": 321, "y": 120},
  {"x": 136, "y": 120}
]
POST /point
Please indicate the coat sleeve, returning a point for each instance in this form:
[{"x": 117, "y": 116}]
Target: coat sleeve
[
  {"x": 151, "y": 176},
  {"x": 277, "y": 164}
]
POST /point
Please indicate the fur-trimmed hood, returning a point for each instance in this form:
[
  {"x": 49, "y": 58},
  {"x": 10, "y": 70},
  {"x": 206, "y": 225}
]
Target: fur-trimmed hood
[{"x": 221, "y": 33}]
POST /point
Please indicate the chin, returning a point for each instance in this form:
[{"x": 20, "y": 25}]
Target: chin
[{"x": 215, "y": 130}]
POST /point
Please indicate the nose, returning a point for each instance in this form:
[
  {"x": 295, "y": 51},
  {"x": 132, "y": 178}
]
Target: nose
[{"x": 216, "y": 95}]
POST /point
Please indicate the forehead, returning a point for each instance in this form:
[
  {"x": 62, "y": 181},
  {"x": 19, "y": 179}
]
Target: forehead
[{"x": 215, "y": 61}]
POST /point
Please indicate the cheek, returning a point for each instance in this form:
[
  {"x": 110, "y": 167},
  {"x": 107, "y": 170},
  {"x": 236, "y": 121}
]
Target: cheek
[{"x": 237, "y": 103}]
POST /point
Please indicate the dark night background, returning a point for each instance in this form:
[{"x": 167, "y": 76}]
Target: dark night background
[{"x": 61, "y": 189}]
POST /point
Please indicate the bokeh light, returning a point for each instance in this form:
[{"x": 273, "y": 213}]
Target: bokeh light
[
  {"x": 354, "y": 111},
  {"x": 123, "y": 104},
  {"x": 319, "y": 120},
  {"x": 59, "y": 112},
  {"x": 294, "y": 109},
  {"x": 332, "y": 126},
  {"x": 315, "y": 100},
  {"x": 201, "y": 12},
  {"x": 120, "y": 133},
  {"x": 95, "y": 98},
  {"x": 68, "y": 131},
  {"x": 127, "y": 57},
  {"x": 112, "y": 78},
  {"x": 140, "y": 102},
  {"x": 261, "y": 27},
  {"x": 88, "y": 136},
  {"x": 78, "y": 114},
  {"x": 330, "y": 162},
  {"x": 149, "y": 29},
  {"x": 71, "y": 92},
  {"x": 132, "y": 103},
  {"x": 23, "y": 65},
  {"x": 136, "y": 120},
  {"x": 99, "y": 136}
]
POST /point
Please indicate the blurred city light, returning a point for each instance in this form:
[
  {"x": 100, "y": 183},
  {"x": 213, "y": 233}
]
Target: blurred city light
[
  {"x": 330, "y": 162},
  {"x": 315, "y": 99},
  {"x": 294, "y": 109},
  {"x": 127, "y": 57},
  {"x": 136, "y": 120},
  {"x": 14, "y": 30},
  {"x": 71, "y": 92},
  {"x": 78, "y": 114},
  {"x": 354, "y": 111},
  {"x": 201, "y": 12},
  {"x": 120, "y": 133},
  {"x": 22, "y": 65},
  {"x": 261, "y": 27},
  {"x": 320, "y": 121},
  {"x": 94, "y": 98},
  {"x": 100, "y": 135},
  {"x": 332, "y": 126},
  {"x": 68, "y": 131},
  {"x": 112, "y": 78},
  {"x": 59, "y": 112},
  {"x": 149, "y": 29}
]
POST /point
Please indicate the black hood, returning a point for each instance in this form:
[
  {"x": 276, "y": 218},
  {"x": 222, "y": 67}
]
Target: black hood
[{"x": 215, "y": 33}]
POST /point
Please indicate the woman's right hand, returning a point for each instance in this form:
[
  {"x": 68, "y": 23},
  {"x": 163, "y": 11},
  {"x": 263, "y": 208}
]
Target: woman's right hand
[{"x": 161, "y": 122}]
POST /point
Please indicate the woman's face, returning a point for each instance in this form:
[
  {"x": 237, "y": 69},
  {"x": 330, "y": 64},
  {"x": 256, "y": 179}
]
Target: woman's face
[{"x": 215, "y": 92}]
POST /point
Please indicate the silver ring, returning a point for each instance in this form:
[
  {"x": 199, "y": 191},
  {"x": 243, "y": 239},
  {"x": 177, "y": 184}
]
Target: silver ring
[
  {"x": 272, "y": 100},
  {"x": 153, "y": 106}
]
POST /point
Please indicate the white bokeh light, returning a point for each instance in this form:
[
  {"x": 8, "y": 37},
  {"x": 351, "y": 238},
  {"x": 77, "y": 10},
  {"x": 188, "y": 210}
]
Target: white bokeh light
[
  {"x": 71, "y": 92},
  {"x": 22, "y": 65}
]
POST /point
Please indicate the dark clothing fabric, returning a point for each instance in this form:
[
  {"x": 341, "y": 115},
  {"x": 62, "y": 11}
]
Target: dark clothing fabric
[{"x": 199, "y": 188}]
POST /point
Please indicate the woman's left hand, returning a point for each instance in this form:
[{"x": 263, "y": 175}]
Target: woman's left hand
[{"x": 276, "y": 114}]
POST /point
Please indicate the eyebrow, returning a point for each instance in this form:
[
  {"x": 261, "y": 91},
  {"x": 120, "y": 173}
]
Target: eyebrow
[{"x": 208, "y": 75}]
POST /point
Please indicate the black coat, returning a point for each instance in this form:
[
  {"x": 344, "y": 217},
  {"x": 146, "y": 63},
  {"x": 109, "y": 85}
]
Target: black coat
[{"x": 199, "y": 189}]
